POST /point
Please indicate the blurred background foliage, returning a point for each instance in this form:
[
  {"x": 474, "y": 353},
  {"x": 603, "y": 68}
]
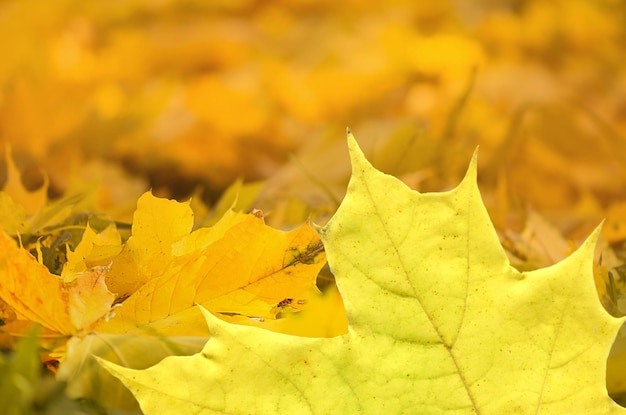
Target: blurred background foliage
[
  {"x": 219, "y": 98},
  {"x": 179, "y": 94}
]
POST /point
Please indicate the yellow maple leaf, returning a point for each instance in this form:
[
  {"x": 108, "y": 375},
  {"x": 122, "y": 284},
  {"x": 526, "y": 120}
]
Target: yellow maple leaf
[
  {"x": 440, "y": 322},
  {"x": 94, "y": 249},
  {"x": 240, "y": 266},
  {"x": 157, "y": 224},
  {"x": 38, "y": 296}
]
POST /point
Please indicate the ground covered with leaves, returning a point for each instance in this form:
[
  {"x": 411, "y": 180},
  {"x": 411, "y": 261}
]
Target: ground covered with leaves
[{"x": 184, "y": 225}]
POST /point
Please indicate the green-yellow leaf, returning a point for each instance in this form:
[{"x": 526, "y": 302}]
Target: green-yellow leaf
[
  {"x": 86, "y": 379},
  {"x": 440, "y": 323}
]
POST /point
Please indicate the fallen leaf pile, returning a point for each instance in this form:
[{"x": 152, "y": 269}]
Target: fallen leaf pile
[
  {"x": 110, "y": 294},
  {"x": 171, "y": 164}
]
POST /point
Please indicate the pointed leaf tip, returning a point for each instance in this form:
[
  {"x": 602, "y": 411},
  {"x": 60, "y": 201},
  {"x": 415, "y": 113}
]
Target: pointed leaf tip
[
  {"x": 208, "y": 316},
  {"x": 475, "y": 154},
  {"x": 589, "y": 245},
  {"x": 357, "y": 158},
  {"x": 351, "y": 140},
  {"x": 472, "y": 170},
  {"x": 214, "y": 324}
]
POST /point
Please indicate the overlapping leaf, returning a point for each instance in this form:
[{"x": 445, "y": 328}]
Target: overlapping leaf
[
  {"x": 157, "y": 224},
  {"x": 439, "y": 323},
  {"x": 239, "y": 267},
  {"x": 37, "y": 295}
]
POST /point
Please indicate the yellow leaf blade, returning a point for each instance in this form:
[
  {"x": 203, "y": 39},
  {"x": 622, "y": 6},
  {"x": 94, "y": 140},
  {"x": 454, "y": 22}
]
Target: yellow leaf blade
[
  {"x": 89, "y": 299},
  {"x": 31, "y": 290},
  {"x": 157, "y": 224},
  {"x": 439, "y": 323},
  {"x": 240, "y": 266},
  {"x": 94, "y": 249}
]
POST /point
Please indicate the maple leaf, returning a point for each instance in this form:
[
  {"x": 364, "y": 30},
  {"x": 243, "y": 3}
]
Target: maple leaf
[
  {"x": 439, "y": 323},
  {"x": 37, "y": 295},
  {"x": 157, "y": 224},
  {"x": 63, "y": 306},
  {"x": 239, "y": 266}
]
